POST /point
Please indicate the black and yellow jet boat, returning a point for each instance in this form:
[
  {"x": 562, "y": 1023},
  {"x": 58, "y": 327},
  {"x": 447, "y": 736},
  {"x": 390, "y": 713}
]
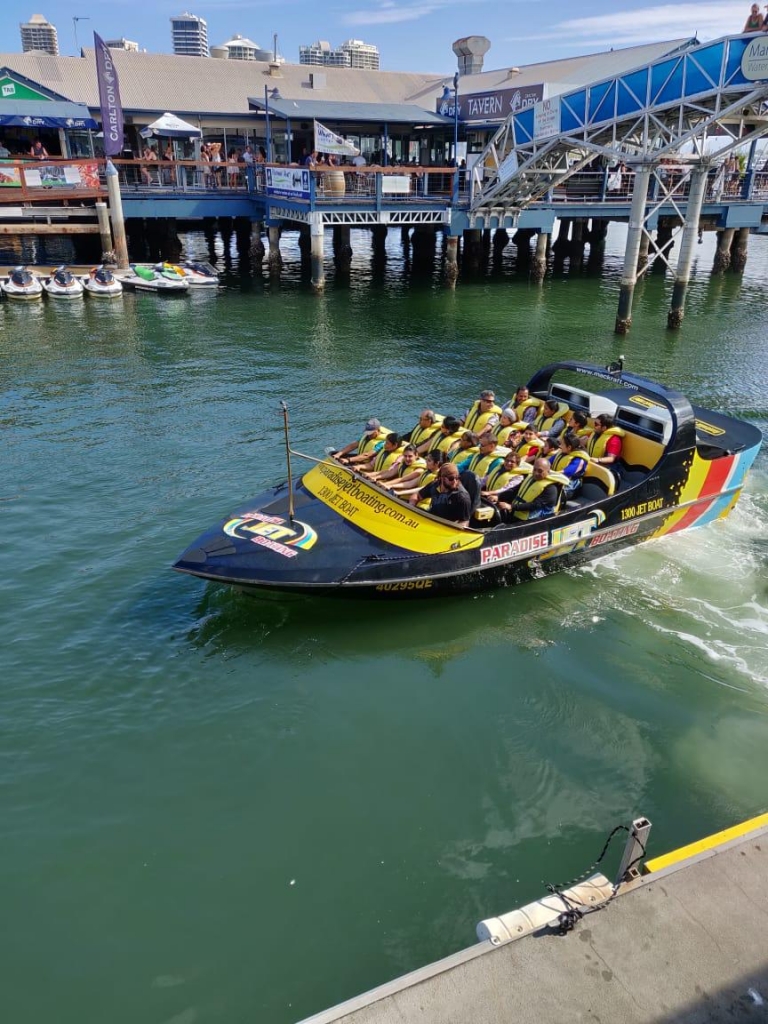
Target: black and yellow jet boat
[{"x": 332, "y": 531}]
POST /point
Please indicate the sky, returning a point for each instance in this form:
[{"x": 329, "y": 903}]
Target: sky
[{"x": 414, "y": 36}]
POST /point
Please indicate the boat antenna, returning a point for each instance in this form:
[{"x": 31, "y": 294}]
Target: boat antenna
[{"x": 284, "y": 407}]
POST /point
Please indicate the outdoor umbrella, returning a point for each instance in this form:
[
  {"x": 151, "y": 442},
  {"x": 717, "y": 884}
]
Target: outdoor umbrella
[{"x": 171, "y": 127}]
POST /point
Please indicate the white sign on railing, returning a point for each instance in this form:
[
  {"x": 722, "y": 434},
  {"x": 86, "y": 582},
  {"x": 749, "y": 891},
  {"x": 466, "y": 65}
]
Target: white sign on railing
[
  {"x": 288, "y": 182},
  {"x": 546, "y": 118},
  {"x": 754, "y": 60},
  {"x": 396, "y": 184}
]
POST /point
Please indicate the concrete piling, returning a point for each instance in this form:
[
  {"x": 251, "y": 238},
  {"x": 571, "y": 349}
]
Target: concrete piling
[
  {"x": 105, "y": 232},
  {"x": 257, "y": 249},
  {"x": 274, "y": 259},
  {"x": 632, "y": 250},
  {"x": 539, "y": 264},
  {"x": 317, "y": 241},
  {"x": 451, "y": 259},
  {"x": 689, "y": 240},
  {"x": 722, "y": 259}
]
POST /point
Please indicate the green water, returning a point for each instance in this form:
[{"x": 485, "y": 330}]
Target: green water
[{"x": 221, "y": 809}]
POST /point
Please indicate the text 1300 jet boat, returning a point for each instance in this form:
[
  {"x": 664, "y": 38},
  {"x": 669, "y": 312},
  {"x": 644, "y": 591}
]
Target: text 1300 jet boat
[{"x": 332, "y": 531}]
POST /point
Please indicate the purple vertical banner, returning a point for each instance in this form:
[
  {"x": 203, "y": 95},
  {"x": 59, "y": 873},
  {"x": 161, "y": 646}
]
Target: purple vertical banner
[{"x": 109, "y": 99}]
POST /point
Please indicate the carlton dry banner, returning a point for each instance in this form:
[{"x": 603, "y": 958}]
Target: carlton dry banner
[
  {"x": 327, "y": 141},
  {"x": 109, "y": 99}
]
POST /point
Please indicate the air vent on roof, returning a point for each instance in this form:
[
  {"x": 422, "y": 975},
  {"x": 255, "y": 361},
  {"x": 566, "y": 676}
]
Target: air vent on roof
[{"x": 317, "y": 80}]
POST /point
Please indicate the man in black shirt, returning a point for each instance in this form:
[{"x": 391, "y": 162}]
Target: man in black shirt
[
  {"x": 452, "y": 502},
  {"x": 534, "y": 498}
]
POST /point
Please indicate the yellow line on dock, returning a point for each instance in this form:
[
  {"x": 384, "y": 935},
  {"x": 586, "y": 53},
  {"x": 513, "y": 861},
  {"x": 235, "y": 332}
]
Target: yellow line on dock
[{"x": 702, "y": 845}]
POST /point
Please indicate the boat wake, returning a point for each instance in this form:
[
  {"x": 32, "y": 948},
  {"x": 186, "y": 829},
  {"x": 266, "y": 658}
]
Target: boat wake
[{"x": 707, "y": 588}]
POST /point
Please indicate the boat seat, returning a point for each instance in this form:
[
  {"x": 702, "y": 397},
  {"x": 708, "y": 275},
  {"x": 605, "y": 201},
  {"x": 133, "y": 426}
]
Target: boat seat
[
  {"x": 639, "y": 452},
  {"x": 601, "y": 474}
]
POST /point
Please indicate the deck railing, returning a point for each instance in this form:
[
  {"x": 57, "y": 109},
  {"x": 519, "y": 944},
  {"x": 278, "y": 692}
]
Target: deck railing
[{"x": 25, "y": 180}]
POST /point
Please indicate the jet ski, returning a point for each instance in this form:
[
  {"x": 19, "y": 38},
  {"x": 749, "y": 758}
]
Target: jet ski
[
  {"x": 102, "y": 282},
  {"x": 147, "y": 279},
  {"x": 22, "y": 284},
  {"x": 197, "y": 275},
  {"x": 63, "y": 284}
]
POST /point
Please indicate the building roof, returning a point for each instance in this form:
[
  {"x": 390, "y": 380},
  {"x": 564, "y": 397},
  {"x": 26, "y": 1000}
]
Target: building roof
[
  {"x": 385, "y": 113},
  {"x": 156, "y": 82},
  {"x": 562, "y": 75}
]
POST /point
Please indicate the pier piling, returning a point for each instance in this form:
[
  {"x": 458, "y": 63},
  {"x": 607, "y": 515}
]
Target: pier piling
[
  {"x": 539, "y": 265},
  {"x": 689, "y": 239},
  {"x": 739, "y": 251},
  {"x": 116, "y": 214},
  {"x": 723, "y": 252},
  {"x": 257, "y": 249},
  {"x": 104, "y": 229},
  {"x": 634, "y": 234},
  {"x": 317, "y": 238},
  {"x": 274, "y": 260},
  {"x": 451, "y": 259}
]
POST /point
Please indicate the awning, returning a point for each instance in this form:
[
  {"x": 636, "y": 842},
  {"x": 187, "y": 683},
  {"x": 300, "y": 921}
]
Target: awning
[
  {"x": 171, "y": 127},
  {"x": 45, "y": 114},
  {"x": 340, "y": 111}
]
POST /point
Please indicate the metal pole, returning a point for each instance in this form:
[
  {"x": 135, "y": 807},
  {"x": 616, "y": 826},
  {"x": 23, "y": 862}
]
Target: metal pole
[
  {"x": 284, "y": 407},
  {"x": 636, "y": 225},
  {"x": 116, "y": 213},
  {"x": 269, "y": 133},
  {"x": 635, "y": 849},
  {"x": 690, "y": 235},
  {"x": 455, "y": 196}
]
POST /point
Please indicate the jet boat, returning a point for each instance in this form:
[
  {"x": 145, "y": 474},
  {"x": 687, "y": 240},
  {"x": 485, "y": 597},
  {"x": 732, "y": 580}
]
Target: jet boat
[
  {"x": 146, "y": 279},
  {"x": 102, "y": 282},
  {"x": 62, "y": 284},
  {"x": 22, "y": 284},
  {"x": 332, "y": 531}
]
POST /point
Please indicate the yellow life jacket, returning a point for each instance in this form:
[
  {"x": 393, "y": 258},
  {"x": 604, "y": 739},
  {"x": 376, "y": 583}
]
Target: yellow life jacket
[
  {"x": 367, "y": 443},
  {"x": 500, "y": 477},
  {"x": 481, "y": 464},
  {"x": 426, "y": 478},
  {"x": 476, "y": 421},
  {"x": 403, "y": 469},
  {"x": 421, "y": 434},
  {"x": 527, "y": 447},
  {"x": 447, "y": 441},
  {"x": 502, "y": 433},
  {"x": 384, "y": 459},
  {"x": 543, "y": 422},
  {"x": 597, "y": 442},
  {"x": 563, "y": 460},
  {"x": 531, "y": 488},
  {"x": 529, "y": 403},
  {"x": 463, "y": 453}
]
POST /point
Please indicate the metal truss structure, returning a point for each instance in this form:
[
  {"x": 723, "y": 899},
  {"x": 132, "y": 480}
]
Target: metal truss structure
[
  {"x": 360, "y": 218},
  {"x": 693, "y": 106}
]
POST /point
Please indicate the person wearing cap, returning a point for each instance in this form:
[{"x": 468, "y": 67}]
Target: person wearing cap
[
  {"x": 452, "y": 502},
  {"x": 482, "y": 413},
  {"x": 371, "y": 440}
]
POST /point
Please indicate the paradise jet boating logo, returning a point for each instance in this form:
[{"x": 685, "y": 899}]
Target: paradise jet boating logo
[{"x": 272, "y": 532}]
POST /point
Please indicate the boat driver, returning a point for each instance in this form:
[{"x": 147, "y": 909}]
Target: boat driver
[{"x": 452, "y": 502}]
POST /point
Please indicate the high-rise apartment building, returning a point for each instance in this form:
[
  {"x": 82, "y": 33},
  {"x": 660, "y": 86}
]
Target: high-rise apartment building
[
  {"x": 39, "y": 34},
  {"x": 190, "y": 35},
  {"x": 354, "y": 53},
  {"x": 361, "y": 55}
]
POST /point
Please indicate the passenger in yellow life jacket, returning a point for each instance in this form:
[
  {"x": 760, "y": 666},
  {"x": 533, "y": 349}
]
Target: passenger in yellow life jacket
[
  {"x": 482, "y": 413},
  {"x": 571, "y": 460},
  {"x": 551, "y": 419},
  {"x": 508, "y": 475},
  {"x": 508, "y": 425},
  {"x": 529, "y": 442},
  {"x": 577, "y": 423},
  {"x": 407, "y": 486},
  {"x": 604, "y": 444},
  {"x": 407, "y": 462},
  {"x": 372, "y": 438},
  {"x": 486, "y": 459},
  {"x": 446, "y": 439},
  {"x": 469, "y": 445},
  {"x": 536, "y": 497},
  {"x": 525, "y": 407},
  {"x": 425, "y": 430},
  {"x": 384, "y": 457},
  {"x": 547, "y": 451}
]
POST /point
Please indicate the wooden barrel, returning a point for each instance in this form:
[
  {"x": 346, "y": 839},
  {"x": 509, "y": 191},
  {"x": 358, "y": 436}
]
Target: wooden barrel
[{"x": 334, "y": 183}]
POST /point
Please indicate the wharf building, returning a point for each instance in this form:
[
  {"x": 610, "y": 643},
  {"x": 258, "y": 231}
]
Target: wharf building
[
  {"x": 189, "y": 35},
  {"x": 39, "y": 34}
]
